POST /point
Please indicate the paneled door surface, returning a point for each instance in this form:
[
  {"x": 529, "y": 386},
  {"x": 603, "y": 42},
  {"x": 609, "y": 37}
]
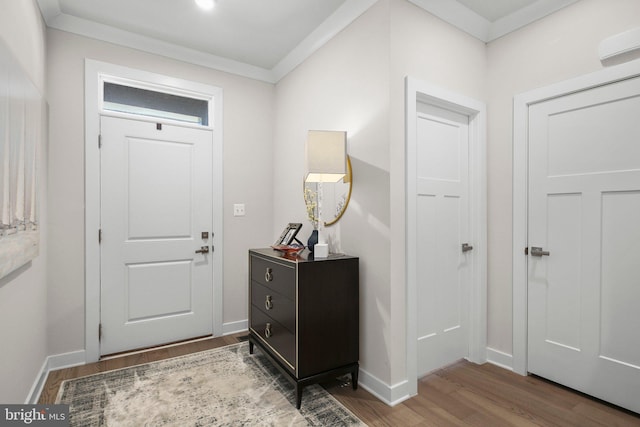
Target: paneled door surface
[
  {"x": 584, "y": 242},
  {"x": 156, "y": 263},
  {"x": 442, "y": 204}
]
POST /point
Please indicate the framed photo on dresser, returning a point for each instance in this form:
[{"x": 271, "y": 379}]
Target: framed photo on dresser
[{"x": 288, "y": 234}]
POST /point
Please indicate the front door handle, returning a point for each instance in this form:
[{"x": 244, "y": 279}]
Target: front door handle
[
  {"x": 535, "y": 251},
  {"x": 203, "y": 250}
]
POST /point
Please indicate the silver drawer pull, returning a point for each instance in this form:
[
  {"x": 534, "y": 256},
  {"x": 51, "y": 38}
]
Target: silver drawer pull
[
  {"x": 268, "y": 275},
  {"x": 267, "y": 330},
  {"x": 268, "y": 302}
]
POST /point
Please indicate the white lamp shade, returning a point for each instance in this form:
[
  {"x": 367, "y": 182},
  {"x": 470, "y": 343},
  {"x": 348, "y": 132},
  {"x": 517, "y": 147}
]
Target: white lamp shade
[{"x": 326, "y": 153}]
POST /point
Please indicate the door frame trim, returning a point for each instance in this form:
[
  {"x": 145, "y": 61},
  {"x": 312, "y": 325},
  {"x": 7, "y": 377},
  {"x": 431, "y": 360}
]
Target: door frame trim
[
  {"x": 521, "y": 104},
  {"x": 95, "y": 71},
  {"x": 420, "y": 91}
]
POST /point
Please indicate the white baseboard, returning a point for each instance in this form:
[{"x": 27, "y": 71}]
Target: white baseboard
[
  {"x": 76, "y": 358},
  {"x": 66, "y": 360},
  {"x": 36, "y": 388},
  {"x": 391, "y": 395},
  {"x": 235, "y": 327},
  {"x": 51, "y": 363},
  {"x": 499, "y": 358}
]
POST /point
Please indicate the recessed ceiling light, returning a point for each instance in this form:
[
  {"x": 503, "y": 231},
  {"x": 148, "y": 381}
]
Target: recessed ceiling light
[{"x": 205, "y": 4}]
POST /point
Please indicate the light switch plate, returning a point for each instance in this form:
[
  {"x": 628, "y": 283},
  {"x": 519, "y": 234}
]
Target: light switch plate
[{"x": 238, "y": 209}]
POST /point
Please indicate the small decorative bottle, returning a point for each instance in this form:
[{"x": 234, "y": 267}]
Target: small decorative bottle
[{"x": 313, "y": 239}]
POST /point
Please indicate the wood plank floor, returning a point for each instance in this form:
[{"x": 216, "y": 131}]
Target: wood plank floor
[{"x": 463, "y": 394}]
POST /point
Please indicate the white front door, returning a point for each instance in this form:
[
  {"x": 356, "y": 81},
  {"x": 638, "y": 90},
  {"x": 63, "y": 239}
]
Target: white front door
[
  {"x": 584, "y": 206},
  {"x": 443, "y": 267},
  {"x": 156, "y": 203}
]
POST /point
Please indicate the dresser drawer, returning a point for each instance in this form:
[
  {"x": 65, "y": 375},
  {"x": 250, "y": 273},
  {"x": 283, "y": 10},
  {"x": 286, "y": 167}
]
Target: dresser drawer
[
  {"x": 280, "y": 339},
  {"x": 274, "y": 305},
  {"x": 273, "y": 275}
]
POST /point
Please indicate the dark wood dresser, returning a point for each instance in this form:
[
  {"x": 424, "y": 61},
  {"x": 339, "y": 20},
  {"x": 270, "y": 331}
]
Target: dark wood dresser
[{"x": 303, "y": 314}]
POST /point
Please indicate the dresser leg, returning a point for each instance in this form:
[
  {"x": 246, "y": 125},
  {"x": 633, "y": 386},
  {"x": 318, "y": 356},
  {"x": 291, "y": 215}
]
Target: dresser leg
[
  {"x": 354, "y": 378},
  {"x": 298, "y": 396},
  {"x": 250, "y": 347}
]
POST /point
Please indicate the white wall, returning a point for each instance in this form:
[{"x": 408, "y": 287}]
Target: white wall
[
  {"x": 559, "y": 47},
  {"x": 356, "y": 83},
  {"x": 425, "y": 48},
  {"x": 344, "y": 86},
  {"x": 23, "y": 303},
  {"x": 248, "y": 169},
  {"x": 364, "y": 94}
]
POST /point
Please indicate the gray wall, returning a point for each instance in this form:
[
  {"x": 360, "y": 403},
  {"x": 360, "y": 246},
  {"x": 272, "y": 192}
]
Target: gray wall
[
  {"x": 353, "y": 83},
  {"x": 559, "y": 47},
  {"x": 23, "y": 294},
  {"x": 356, "y": 83},
  {"x": 248, "y": 121}
]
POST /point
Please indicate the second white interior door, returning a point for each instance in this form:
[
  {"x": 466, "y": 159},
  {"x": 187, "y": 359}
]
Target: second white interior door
[{"x": 443, "y": 268}]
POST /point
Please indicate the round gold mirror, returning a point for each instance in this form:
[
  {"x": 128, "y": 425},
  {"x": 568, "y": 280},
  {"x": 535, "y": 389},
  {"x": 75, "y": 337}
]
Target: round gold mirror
[{"x": 335, "y": 198}]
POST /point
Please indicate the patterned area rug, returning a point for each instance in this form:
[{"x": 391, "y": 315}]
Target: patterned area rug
[{"x": 221, "y": 387}]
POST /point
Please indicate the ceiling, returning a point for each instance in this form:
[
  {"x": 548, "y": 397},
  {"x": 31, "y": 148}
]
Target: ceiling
[
  {"x": 495, "y": 9},
  {"x": 262, "y": 39}
]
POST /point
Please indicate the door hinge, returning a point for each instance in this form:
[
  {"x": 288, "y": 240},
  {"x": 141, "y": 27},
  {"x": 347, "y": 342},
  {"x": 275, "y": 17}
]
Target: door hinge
[
  {"x": 99, "y": 141},
  {"x": 100, "y": 332},
  {"x": 100, "y": 235},
  {"x": 526, "y": 250}
]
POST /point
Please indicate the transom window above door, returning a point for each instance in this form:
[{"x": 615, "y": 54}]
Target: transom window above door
[{"x": 121, "y": 98}]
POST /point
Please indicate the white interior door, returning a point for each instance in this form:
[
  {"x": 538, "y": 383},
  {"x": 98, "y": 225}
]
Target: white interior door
[
  {"x": 443, "y": 268},
  {"x": 584, "y": 205},
  {"x": 156, "y": 201}
]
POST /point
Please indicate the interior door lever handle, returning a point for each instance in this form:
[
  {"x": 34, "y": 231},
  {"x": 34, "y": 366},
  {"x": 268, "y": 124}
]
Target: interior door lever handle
[
  {"x": 535, "y": 251},
  {"x": 203, "y": 250},
  {"x": 466, "y": 247}
]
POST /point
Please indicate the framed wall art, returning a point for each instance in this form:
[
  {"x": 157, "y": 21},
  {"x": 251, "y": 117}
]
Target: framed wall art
[{"x": 22, "y": 119}]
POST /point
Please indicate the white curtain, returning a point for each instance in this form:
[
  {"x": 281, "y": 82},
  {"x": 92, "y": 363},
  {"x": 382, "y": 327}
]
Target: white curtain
[
  {"x": 5, "y": 150},
  {"x": 19, "y": 134},
  {"x": 22, "y": 121}
]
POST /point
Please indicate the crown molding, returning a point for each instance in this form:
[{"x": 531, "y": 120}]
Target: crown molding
[
  {"x": 450, "y": 11},
  {"x": 336, "y": 22},
  {"x": 94, "y": 30},
  {"x": 49, "y": 9},
  {"x": 479, "y": 27},
  {"x": 526, "y": 16},
  {"x": 457, "y": 15}
]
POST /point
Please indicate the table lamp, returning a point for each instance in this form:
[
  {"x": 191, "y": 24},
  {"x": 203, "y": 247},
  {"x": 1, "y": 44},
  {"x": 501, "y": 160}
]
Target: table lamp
[{"x": 326, "y": 161}]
